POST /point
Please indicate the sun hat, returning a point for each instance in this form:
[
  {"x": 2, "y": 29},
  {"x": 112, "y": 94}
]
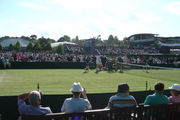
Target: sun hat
[
  {"x": 76, "y": 87},
  {"x": 175, "y": 87},
  {"x": 122, "y": 87}
]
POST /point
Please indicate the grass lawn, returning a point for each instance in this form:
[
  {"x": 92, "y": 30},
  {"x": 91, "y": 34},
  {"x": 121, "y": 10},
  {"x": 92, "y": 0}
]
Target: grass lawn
[{"x": 59, "y": 81}]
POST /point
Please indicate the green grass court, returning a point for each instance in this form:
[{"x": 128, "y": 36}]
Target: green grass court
[{"x": 59, "y": 81}]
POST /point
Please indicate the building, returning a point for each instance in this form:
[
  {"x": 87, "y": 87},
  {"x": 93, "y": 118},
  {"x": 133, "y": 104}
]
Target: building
[
  {"x": 144, "y": 40},
  {"x": 148, "y": 40}
]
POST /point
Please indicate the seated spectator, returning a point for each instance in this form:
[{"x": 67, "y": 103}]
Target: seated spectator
[
  {"x": 34, "y": 108},
  {"x": 158, "y": 97},
  {"x": 175, "y": 93},
  {"x": 76, "y": 104},
  {"x": 122, "y": 98},
  {"x": 6, "y": 63}
]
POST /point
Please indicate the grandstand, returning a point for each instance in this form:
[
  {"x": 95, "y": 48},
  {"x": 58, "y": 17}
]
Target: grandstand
[{"x": 153, "y": 41}]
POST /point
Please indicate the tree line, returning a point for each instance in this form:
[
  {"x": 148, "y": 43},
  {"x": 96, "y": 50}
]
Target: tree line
[{"x": 44, "y": 44}]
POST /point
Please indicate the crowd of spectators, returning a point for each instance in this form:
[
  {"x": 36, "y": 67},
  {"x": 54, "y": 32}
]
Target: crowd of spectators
[
  {"x": 108, "y": 50},
  {"x": 77, "y": 104},
  {"x": 121, "y": 50},
  {"x": 13, "y": 56}
]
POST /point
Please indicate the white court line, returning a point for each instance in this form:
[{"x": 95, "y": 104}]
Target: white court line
[{"x": 2, "y": 76}]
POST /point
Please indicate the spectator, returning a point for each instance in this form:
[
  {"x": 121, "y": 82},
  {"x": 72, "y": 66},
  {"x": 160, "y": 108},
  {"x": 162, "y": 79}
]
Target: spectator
[
  {"x": 175, "y": 93},
  {"x": 6, "y": 63},
  {"x": 34, "y": 108},
  {"x": 122, "y": 99},
  {"x": 158, "y": 97},
  {"x": 76, "y": 104}
]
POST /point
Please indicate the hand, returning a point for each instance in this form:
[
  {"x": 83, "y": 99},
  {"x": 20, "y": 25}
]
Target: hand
[
  {"x": 40, "y": 93},
  {"x": 84, "y": 93}
]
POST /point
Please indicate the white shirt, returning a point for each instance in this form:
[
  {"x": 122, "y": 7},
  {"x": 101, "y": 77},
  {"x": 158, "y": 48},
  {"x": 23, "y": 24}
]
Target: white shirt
[
  {"x": 71, "y": 105},
  {"x": 98, "y": 60}
]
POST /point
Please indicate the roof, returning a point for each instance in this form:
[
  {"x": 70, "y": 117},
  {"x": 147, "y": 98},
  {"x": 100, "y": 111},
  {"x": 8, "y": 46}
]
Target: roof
[
  {"x": 61, "y": 43},
  {"x": 13, "y": 41},
  {"x": 143, "y": 34}
]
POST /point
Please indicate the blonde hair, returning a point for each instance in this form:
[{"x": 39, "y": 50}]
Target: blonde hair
[{"x": 34, "y": 98}]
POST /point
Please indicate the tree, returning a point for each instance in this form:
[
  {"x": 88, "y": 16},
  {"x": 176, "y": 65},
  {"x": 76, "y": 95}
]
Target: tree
[
  {"x": 64, "y": 38},
  {"x": 11, "y": 47},
  {"x": 37, "y": 46},
  {"x": 48, "y": 47},
  {"x": 29, "y": 47},
  {"x": 43, "y": 40},
  {"x": 33, "y": 37},
  {"x": 25, "y": 37},
  {"x": 59, "y": 49},
  {"x": 1, "y": 48},
  {"x": 17, "y": 46},
  {"x": 75, "y": 40}
]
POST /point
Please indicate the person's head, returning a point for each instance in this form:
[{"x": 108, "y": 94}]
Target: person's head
[
  {"x": 159, "y": 87},
  {"x": 123, "y": 88},
  {"x": 76, "y": 89},
  {"x": 34, "y": 98},
  {"x": 175, "y": 90}
]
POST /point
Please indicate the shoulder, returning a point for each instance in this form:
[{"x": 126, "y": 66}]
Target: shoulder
[
  {"x": 131, "y": 97},
  {"x": 150, "y": 96},
  {"x": 113, "y": 97},
  {"x": 170, "y": 98},
  {"x": 166, "y": 96},
  {"x": 84, "y": 100},
  {"x": 21, "y": 103},
  {"x": 68, "y": 99},
  {"x": 47, "y": 109}
]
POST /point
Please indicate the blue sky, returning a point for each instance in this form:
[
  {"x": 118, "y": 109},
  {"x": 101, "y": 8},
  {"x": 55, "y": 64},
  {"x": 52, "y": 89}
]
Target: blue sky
[{"x": 88, "y": 18}]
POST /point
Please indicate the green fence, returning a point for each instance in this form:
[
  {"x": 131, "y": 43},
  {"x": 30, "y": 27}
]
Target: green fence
[
  {"x": 64, "y": 65},
  {"x": 9, "y": 111},
  {"x": 47, "y": 65}
]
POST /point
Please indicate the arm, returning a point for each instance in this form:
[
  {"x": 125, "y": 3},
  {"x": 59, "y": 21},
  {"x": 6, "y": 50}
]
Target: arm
[
  {"x": 85, "y": 97},
  {"x": 21, "y": 103},
  {"x": 84, "y": 94},
  {"x": 23, "y": 96},
  {"x": 63, "y": 108},
  {"x": 147, "y": 101}
]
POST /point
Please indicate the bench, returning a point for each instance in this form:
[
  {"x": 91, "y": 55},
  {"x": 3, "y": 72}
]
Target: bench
[{"x": 155, "y": 112}]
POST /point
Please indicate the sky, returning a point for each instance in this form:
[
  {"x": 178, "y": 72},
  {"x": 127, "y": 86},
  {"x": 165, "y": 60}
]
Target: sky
[{"x": 89, "y": 18}]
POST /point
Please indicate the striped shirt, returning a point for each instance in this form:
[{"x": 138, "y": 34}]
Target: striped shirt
[{"x": 121, "y": 100}]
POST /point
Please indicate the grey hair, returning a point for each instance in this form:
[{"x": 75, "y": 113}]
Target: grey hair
[{"x": 34, "y": 98}]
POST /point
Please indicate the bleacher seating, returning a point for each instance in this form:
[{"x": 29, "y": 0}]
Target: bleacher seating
[{"x": 155, "y": 112}]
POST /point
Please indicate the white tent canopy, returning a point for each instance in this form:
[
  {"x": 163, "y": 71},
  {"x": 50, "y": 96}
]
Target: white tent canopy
[{"x": 61, "y": 43}]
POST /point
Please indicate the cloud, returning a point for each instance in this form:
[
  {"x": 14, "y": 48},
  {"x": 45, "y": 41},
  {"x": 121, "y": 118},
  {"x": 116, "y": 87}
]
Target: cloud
[
  {"x": 174, "y": 7},
  {"x": 33, "y": 5},
  {"x": 88, "y": 18},
  {"x": 79, "y": 5}
]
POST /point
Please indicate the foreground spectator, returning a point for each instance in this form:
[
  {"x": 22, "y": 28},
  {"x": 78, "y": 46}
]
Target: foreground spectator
[
  {"x": 76, "y": 104},
  {"x": 175, "y": 94},
  {"x": 158, "y": 97},
  {"x": 122, "y": 99},
  {"x": 34, "y": 108}
]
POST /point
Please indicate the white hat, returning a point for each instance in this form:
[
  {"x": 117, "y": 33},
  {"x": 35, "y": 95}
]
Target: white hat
[
  {"x": 76, "y": 87},
  {"x": 175, "y": 87}
]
